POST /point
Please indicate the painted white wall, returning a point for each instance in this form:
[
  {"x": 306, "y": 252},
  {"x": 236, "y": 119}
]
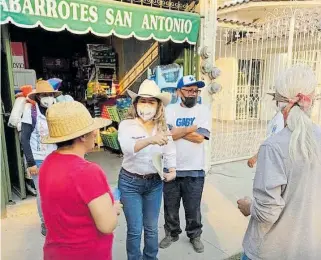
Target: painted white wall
[{"x": 224, "y": 101}]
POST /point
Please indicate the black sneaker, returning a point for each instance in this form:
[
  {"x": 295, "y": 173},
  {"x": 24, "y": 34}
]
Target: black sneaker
[
  {"x": 43, "y": 230},
  {"x": 31, "y": 190},
  {"x": 167, "y": 241},
  {"x": 197, "y": 244}
]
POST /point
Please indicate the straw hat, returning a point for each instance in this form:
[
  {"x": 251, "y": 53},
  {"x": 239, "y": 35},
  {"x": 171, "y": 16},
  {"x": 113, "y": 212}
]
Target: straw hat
[
  {"x": 43, "y": 86},
  {"x": 150, "y": 89},
  {"x": 69, "y": 120}
]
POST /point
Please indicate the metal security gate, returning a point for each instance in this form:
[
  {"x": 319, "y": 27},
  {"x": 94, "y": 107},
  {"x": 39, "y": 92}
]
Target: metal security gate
[{"x": 250, "y": 59}]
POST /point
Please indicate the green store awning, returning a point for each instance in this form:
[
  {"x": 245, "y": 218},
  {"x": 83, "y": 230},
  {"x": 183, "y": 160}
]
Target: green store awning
[{"x": 102, "y": 18}]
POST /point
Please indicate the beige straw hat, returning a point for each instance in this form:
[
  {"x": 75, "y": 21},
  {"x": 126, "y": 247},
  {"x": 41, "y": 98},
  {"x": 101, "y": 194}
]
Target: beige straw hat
[
  {"x": 42, "y": 87},
  {"x": 69, "y": 120},
  {"x": 150, "y": 89}
]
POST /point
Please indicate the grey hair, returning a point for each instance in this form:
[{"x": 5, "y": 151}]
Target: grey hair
[{"x": 299, "y": 79}]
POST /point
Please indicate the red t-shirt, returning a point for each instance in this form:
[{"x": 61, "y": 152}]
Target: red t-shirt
[{"x": 67, "y": 184}]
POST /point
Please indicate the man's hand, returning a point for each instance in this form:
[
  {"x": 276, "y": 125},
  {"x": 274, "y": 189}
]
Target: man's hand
[
  {"x": 33, "y": 170},
  {"x": 244, "y": 206},
  {"x": 252, "y": 161},
  {"x": 180, "y": 132},
  {"x": 171, "y": 175},
  {"x": 118, "y": 207}
]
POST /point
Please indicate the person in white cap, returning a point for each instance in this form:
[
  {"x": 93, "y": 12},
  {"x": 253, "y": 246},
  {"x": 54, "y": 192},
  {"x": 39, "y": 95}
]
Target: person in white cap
[
  {"x": 142, "y": 136},
  {"x": 286, "y": 210},
  {"x": 190, "y": 126}
]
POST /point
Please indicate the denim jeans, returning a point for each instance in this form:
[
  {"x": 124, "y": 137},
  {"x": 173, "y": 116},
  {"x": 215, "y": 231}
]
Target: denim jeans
[
  {"x": 190, "y": 190},
  {"x": 35, "y": 179},
  {"x": 141, "y": 199},
  {"x": 244, "y": 257}
]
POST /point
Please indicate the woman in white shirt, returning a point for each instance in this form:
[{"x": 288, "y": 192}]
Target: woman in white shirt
[{"x": 144, "y": 136}]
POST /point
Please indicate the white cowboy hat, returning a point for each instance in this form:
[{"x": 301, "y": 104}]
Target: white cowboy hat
[{"x": 150, "y": 89}]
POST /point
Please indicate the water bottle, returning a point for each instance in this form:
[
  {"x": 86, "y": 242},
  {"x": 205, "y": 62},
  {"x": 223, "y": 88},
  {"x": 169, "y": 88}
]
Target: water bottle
[{"x": 116, "y": 194}]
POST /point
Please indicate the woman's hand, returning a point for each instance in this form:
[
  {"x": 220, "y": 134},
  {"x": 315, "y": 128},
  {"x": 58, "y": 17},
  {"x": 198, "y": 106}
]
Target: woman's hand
[
  {"x": 33, "y": 170},
  {"x": 118, "y": 207},
  {"x": 160, "y": 139},
  {"x": 169, "y": 176}
]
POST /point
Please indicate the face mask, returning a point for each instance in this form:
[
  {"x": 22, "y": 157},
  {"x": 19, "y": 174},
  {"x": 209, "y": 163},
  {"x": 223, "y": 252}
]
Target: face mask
[
  {"x": 280, "y": 106},
  {"x": 47, "y": 101},
  {"x": 146, "y": 112},
  {"x": 189, "y": 101}
]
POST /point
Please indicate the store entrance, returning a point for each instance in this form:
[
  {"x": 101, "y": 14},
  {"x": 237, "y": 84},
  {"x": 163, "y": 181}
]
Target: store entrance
[
  {"x": 60, "y": 55},
  {"x": 12, "y": 177},
  {"x": 91, "y": 69}
]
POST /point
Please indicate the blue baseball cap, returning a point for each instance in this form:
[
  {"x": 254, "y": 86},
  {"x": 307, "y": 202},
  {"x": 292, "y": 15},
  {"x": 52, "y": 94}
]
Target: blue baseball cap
[{"x": 188, "y": 81}]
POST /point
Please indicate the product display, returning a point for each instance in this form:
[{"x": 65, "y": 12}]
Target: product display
[
  {"x": 110, "y": 138},
  {"x": 103, "y": 61},
  {"x": 166, "y": 77},
  {"x": 115, "y": 109}
]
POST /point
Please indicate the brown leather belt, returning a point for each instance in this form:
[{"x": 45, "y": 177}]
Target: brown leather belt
[{"x": 150, "y": 176}]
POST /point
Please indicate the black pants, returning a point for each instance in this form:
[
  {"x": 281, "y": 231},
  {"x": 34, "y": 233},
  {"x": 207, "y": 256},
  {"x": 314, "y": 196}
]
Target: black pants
[{"x": 190, "y": 189}]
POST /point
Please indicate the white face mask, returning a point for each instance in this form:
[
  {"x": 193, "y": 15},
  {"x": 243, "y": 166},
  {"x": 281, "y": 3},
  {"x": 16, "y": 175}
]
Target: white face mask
[
  {"x": 47, "y": 101},
  {"x": 146, "y": 112}
]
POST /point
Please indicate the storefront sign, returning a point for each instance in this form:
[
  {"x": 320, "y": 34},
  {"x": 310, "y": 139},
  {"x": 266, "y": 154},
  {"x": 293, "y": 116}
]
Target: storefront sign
[
  {"x": 102, "y": 18},
  {"x": 18, "y": 60}
]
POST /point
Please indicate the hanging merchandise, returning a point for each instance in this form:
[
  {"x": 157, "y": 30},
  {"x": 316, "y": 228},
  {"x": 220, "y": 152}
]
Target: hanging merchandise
[
  {"x": 95, "y": 88},
  {"x": 19, "y": 106},
  {"x": 167, "y": 77},
  {"x": 102, "y": 54},
  {"x": 102, "y": 59},
  {"x": 55, "y": 83},
  {"x": 16, "y": 112}
]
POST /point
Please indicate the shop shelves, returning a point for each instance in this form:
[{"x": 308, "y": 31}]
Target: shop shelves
[
  {"x": 110, "y": 140},
  {"x": 122, "y": 113},
  {"x": 112, "y": 111}
]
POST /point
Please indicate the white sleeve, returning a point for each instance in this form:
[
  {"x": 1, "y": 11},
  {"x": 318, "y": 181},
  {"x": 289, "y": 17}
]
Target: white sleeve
[
  {"x": 205, "y": 118},
  {"x": 126, "y": 141},
  {"x": 276, "y": 124},
  {"x": 26, "y": 116},
  {"x": 269, "y": 181},
  {"x": 170, "y": 154}
]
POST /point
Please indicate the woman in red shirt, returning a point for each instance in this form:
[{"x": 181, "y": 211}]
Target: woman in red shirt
[{"x": 78, "y": 207}]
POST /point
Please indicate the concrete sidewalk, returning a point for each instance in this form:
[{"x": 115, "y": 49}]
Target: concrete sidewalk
[{"x": 224, "y": 226}]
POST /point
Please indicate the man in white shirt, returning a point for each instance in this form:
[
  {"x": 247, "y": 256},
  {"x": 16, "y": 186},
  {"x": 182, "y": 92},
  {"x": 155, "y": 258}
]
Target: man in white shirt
[
  {"x": 273, "y": 127},
  {"x": 190, "y": 126}
]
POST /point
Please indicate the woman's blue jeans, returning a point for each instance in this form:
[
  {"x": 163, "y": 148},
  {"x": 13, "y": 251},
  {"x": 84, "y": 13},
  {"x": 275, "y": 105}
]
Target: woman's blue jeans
[{"x": 141, "y": 199}]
